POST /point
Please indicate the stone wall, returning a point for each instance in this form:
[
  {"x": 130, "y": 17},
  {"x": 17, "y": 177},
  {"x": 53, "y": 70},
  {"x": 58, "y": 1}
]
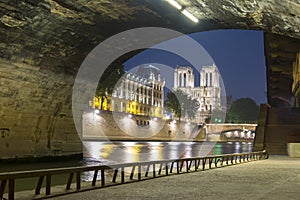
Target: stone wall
[
  {"x": 106, "y": 126},
  {"x": 282, "y": 128},
  {"x": 35, "y": 112},
  {"x": 277, "y": 127}
]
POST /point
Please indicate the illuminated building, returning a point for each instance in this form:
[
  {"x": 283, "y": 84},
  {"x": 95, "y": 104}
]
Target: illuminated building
[
  {"x": 208, "y": 94},
  {"x": 139, "y": 94}
]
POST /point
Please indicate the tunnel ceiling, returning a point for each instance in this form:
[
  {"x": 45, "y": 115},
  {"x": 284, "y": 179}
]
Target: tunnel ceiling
[{"x": 58, "y": 34}]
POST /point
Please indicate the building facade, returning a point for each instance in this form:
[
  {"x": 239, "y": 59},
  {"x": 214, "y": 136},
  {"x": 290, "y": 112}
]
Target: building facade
[
  {"x": 208, "y": 94},
  {"x": 138, "y": 94}
]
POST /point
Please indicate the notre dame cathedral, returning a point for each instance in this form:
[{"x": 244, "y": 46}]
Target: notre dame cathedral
[{"x": 208, "y": 93}]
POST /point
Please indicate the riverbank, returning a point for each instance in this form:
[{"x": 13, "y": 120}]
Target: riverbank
[{"x": 273, "y": 179}]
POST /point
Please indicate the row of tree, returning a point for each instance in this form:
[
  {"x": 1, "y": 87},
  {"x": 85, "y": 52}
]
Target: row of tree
[{"x": 242, "y": 110}]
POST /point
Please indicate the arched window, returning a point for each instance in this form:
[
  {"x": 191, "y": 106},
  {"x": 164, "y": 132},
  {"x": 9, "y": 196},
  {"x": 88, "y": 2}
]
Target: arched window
[{"x": 179, "y": 81}]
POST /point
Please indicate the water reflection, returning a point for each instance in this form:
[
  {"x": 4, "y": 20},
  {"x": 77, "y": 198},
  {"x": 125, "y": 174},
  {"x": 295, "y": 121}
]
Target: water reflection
[{"x": 124, "y": 152}]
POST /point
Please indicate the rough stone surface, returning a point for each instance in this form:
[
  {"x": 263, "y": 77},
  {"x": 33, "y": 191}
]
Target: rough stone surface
[
  {"x": 61, "y": 33},
  {"x": 35, "y": 114}
]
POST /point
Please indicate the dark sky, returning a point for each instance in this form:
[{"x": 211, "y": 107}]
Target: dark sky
[{"x": 238, "y": 54}]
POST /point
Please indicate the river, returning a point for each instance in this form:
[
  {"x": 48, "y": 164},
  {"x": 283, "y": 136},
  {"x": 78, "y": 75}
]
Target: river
[
  {"x": 105, "y": 152},
  {"x": 99, "y": 152},
  {"x": 124, "y": 152}
]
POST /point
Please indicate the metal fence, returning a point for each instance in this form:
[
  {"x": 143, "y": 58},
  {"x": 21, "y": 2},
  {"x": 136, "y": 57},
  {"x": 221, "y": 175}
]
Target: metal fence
[{"x": 104, "y": 176}]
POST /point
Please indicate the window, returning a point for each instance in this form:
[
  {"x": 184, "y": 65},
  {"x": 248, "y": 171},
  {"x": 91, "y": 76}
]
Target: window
[{"x": 180, "y": 79}]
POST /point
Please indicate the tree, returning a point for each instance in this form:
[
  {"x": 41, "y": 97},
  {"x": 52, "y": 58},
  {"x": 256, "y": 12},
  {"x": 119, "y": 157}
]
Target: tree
[
  {"x": 181, "y": 104},
  {"x": 190, "y": 107},
  {"x": 172, "y": 103},
  {"x": 243, "y": 110},
  {"x": 108, "y": 81},
  {"x": 218, "y": 116}
]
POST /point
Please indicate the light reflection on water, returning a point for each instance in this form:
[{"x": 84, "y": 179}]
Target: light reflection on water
[
  {"x": 98, "y": 153},
  {"x": 124, "y": 152}
]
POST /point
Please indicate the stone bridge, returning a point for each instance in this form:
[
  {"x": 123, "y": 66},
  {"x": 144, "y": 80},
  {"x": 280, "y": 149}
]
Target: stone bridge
[
  {"x": 218, "y": 128},
  {"x": 227, "y": 132}
]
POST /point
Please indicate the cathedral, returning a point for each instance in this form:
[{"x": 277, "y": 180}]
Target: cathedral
[{"x": 208, "y": 94}]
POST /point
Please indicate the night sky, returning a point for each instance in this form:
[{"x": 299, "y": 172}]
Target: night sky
[{"x": 238, "y": 54}]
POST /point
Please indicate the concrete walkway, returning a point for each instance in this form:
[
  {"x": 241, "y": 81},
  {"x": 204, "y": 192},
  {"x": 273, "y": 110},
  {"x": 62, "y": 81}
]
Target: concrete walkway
[{"x": 272, "y": 179}]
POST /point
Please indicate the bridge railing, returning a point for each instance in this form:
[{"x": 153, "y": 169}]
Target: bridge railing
[{"x": 104, "y": 175}]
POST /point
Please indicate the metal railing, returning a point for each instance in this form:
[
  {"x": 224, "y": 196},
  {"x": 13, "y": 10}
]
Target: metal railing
[{"x": 104, "y": 176}]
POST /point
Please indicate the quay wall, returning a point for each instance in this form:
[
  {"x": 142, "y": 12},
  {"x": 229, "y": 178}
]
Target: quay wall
[
  {"x": 35, "y": 112},
  {"x": 108, "y": 126}
]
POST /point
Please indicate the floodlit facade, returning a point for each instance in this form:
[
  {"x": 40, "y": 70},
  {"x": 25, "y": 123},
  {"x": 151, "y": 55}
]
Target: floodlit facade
[
  {"x": 208, "y": 94},
  {"x": 139, "y": 94}
]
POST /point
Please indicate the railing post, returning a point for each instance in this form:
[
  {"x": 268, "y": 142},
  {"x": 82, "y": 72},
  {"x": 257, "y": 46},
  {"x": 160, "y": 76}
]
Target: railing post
[
  {"x": 78, "y": 180},
  {"x": 160, "y": 167},
  {"x": 48, "y": 184},
  {"x": 147, "y": 170},
  {"x": 139, "y": 172},
  {"x": 154, "y": 173},
  {"x": 115, "y": 175},
  {"x": 190, "y": 164},
  {"x": 122, "y": 175},
  {"x": 203, "y": 164},
  {"x": 2, "y": 188},
  {"x": 167, "y": 169},
  {"x": 187, "y": 166},
  {"x": 39, "y": 185},
  {"x": 181, "y": 166},
  {"x": 102, "y": 177},
  {"x": 171, "y": 168},
  {"x": 95, "y": 177},
  {"x": 11, "y": 189},
  {"x": 69, "y": 181},
  {"x": 209, "y": 162},
  {"x": 196, "y": 165},
  {"x": 132, "y": 172}
]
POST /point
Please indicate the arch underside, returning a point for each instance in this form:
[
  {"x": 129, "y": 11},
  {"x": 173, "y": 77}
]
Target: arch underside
[{"x": 43, "y": 44}]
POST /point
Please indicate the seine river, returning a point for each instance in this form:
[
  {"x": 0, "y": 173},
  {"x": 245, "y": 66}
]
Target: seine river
[
  {"x": 96, "y": 152},
  {"x": 122, "y": 152}
]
